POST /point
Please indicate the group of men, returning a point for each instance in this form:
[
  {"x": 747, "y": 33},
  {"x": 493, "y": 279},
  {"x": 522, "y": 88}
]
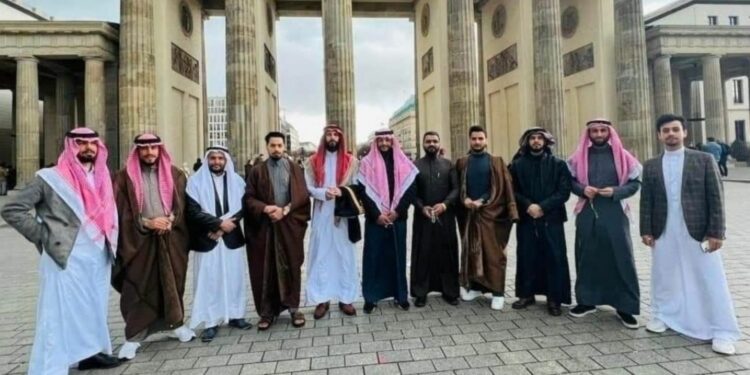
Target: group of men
[{"x": 136, "y": 233}]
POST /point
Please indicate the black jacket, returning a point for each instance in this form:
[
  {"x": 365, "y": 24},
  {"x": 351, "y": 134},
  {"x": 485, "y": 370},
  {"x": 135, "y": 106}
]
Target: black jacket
[
  {"x": 553, "y": 183},
  {"x": 201, "y": 223}
]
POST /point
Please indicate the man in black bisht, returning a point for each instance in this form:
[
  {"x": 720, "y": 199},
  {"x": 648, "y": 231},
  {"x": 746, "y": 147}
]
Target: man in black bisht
[
  {"x": 541, "y": 184},
  {"x": 434, "y": 251}
]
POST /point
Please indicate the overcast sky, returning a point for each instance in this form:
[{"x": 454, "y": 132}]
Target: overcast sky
[{"x": 383, "y": 62}]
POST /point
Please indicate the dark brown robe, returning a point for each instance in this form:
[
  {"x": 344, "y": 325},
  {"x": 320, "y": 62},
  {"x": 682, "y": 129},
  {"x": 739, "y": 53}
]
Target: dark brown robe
[
  {"x": 275, "y": 251},
  {"x": 485, "y": 231},
  {"x": 149, "y": 272}
]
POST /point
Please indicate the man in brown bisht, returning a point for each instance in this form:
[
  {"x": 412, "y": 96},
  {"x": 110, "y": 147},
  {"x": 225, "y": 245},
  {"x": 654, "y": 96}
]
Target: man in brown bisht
[
  {"x": 152, "y": 254},
  {"x": 485, "y": 219},
  {"x": 277, "y": 208}
]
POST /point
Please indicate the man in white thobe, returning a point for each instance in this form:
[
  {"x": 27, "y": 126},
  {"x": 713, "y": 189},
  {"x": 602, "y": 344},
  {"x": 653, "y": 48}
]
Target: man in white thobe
[
  {"x": 214, "y": 210},
  {"x": 681, "y": 207},
  {"x": 75, "y": 230},
  {"x": 331, "y": 266}
]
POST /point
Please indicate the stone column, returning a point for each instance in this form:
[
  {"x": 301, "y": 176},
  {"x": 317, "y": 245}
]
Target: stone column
[
  {"x": 663, "y": 98},
  {"x": 27, "y": 119},
  {"x": 242, "y": 81},
  {"x": 697, "y": 127},
  {"x": 94, "y": 91},
  {"x": 633, "y": 108},
  {"x": 339, "y": 67},
  {"x": 677, "y": 91},
  {"x": 713, "y": 91},
  {"x": 65, "y": 105},
  {"x": 548, "y": 69},
  {"x": 49, "y": 129},
  {"x": 481, "y": 112},
  {"x": 137, "y": 71},
  {"x": 462, "y": 74},
  {"x": 111, "y": 115}
]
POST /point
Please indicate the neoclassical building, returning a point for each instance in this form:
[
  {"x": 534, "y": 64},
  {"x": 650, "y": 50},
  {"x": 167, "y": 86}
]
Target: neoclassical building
[{"x": 506, "y": 64}]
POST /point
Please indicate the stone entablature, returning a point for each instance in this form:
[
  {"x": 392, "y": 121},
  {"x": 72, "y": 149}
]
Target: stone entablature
[
  {"x": 59, "y": 39},
  {"x": 697, "y": 40}
]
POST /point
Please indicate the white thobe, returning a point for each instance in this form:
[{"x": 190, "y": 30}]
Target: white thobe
[
  {"x": 331, "y": 266},
  {"x": 220, "y": 280},
  {"x": 73, "y": 302},
  {"x": 689, "y": 291}
]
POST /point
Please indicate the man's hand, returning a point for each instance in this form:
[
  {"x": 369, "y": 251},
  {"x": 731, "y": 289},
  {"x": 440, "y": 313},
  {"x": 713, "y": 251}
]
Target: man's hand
[
  {"x": 427, "y": 211},
  {"x": 332, "y": 192},
  {"x": 158, "y": 224},
  {"x": 468, "y": 203},
  {"x": 535, "y": 211},
  {"x": 269, "y": 209},
  {"x": 392, "y": 217},
  {"x": 276, "y": 215},
  {"x": 648, "y": 240},
  {"x": 590, "y": 192},
  {"x": 607, "y": 192},
  {"x": 714, "y": 244},
  {"x": 227, "y": 225},
  {"x": 383, "y": 220},
  {"x": 439, "y": 209},
  {"x": 216, "y": 235}
]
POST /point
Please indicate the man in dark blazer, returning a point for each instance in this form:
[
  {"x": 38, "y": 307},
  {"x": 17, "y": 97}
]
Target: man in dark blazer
[{"x": 682, "y": 206}]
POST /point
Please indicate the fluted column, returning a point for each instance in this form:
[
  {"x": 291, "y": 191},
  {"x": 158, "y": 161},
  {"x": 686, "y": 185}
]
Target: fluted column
[
  {"x": 677, "y": 91},
  {"x": 548, "y": 70},
  {"x": 462, "y": 74},
  {"x": 339, "y": 67},
  {"x": 242, "y": 81},
  {"x": 64, "y": 106},
  {"x": 633, "y": 108},
  {"x": 111, "y": 115},
  {"x": 481, "y": 111},
  {"x": 27, "y": 119},
  {"x": 137, "y": 71},
  {"x": 713, "y": 91},
  {"x": 94, "y": 91},
  {"x": 696, "y": 112},
  {"x": 663, "y": 97}
]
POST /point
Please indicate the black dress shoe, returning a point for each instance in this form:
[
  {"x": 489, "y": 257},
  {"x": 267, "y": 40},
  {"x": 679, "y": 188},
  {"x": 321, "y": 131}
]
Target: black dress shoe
[
  {"x": 208, "y": 334},
  {"x": 369, "y": 306},
  {"x": 554, "y": 308},
  {"x": 453, "y": 301},
  {"x": 403, "y": 305},
  {"x": 523, "y": 303},
  {"x": 420, "y": 301},
  {"x": 99, "y": 361},
  {"x": 240, "y": 324}
]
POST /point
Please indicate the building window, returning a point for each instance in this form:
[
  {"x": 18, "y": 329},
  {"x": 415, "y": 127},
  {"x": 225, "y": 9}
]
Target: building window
[
  {"x": 734, "y": 20},
  {"x": 739, "y": 130},
  {"x": 712, "y": 20},
  {"x": 738, "y": 91}
]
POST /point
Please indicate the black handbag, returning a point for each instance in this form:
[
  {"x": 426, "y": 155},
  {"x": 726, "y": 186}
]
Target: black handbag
[{"x": 349, "y": 207}]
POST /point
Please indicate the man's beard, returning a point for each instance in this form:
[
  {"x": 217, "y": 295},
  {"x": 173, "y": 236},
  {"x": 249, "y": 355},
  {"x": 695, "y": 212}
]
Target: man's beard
[
  {"x": 384, "y": 148},
  {"x": 598, "y": 142},
  {"x": 275, "y": 156},
  {"x": 431, "y": 150},
  {"x": 83, "y": 158},
  {"x": 219, "y": 169},
  {"x": 332, "y": 146},
  {"x": 478, "y": 149},
  {"x": 536, "y": 150},
  {"x": 148, "y": 163}
]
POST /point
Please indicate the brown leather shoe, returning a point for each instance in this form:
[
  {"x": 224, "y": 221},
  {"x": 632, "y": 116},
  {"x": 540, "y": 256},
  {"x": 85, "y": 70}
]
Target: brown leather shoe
[
  {"x": 321, "y": 310},
  {"x": 347, "y": 309}
]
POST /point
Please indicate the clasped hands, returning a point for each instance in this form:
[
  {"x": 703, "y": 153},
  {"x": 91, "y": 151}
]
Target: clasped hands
[
  {"x": 332, "y": 192},
  {"x": 275, "y": 213},
  {"x": 226, "y": 226},
  {"x": 433, "y": 211},
  {"x": 387, "y": 219},
  {"x": 590, "y": 192},
  {"x": 161, "y": 225},
  {"x": 472, "y": 205}
]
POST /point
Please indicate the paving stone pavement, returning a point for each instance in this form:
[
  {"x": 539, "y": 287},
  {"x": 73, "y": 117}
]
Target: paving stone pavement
[{"x": 439, "y": 338}]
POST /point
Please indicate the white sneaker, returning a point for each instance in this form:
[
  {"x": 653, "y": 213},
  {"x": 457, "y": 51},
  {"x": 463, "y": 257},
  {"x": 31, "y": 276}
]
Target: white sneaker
[
  {"x": 656, "y": 326},
  {"x": 723, "y": 347},
  {"x": 497, "y": 303},
  {"x": 128, "y": 349},
  {"x": 183, "y": 333},
  {"x": 470, "y": 295}
]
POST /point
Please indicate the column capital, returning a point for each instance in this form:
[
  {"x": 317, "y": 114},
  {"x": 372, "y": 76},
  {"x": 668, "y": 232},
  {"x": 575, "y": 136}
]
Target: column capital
[
  {"x": 712, "y": 56},
  {"x": 26, "y": 58},
  {"x": 94, "y": 58},
  {"x": 661, "y": 57}
]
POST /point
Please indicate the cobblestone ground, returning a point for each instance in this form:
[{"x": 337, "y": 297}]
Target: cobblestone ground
[{"x": 468, "y": 339}]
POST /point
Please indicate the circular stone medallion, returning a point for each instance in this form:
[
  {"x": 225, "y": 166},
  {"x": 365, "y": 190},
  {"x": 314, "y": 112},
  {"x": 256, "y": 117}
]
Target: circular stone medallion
[
  {"x": 425, "y": 20},
  {"x": 499, "y": 20},
  {"x": 186, "y": 18},
  {"x": 569, "y": 22}
]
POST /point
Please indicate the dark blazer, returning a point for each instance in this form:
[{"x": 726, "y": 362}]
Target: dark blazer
[
  {"x": 200, "y": 223},
  {"x": 702, "y": 197}
]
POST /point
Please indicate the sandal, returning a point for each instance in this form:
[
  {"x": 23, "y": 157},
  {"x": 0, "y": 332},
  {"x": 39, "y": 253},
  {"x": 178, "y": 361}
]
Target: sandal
[
  {"x": 298, "y": 319},
  {"x": 264, "y": 324}
]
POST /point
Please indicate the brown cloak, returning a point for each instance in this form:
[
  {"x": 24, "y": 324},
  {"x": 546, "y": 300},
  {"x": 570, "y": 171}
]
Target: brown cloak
[
  {"x": 275, "y": 251},
  {"x": 149, "y": 272},
  {"x": 485, "y": 231}
]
